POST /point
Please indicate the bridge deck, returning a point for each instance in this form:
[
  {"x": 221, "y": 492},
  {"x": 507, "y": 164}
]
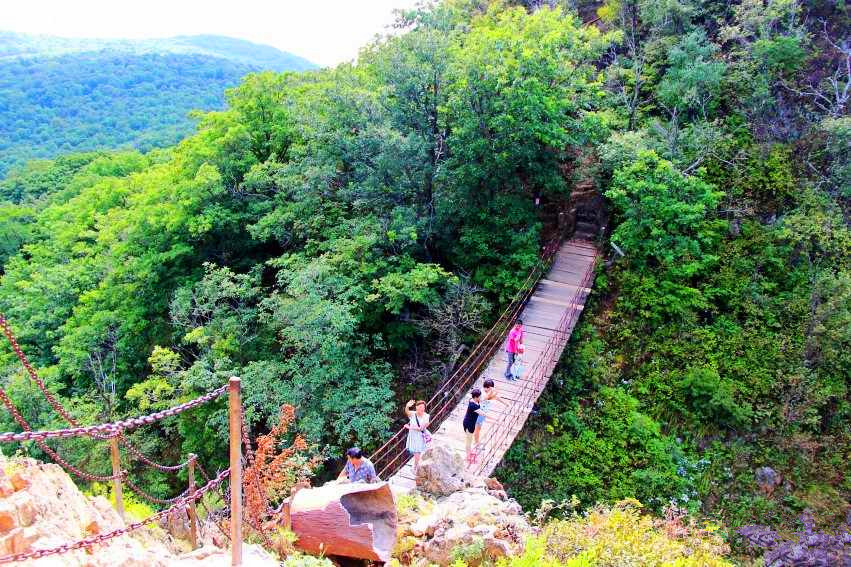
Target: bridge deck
[{"x": 547, "y": 326}]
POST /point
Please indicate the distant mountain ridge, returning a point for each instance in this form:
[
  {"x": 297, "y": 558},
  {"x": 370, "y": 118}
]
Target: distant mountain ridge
[
  {"x": 17, "y": 45},
  {"x": 61, "y": 95}
]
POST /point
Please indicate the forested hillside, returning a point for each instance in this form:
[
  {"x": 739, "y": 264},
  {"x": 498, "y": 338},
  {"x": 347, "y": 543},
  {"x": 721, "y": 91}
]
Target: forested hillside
[
  {"x": 338, "y": 238},
  {"x": 68, "y": 95}
]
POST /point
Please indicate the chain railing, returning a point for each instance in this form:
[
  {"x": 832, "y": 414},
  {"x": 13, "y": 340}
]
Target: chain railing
[
  {"x": 16, "y": 415},
  {"x": 507, "y": 427},
  {"x": 184, "y": 502},
  {"x": 61, "y": 410},
  {"x": 179, "y": 506},
  {"x": 140, "y": 456},
  {"x": 109, "y": 430},
  {"x": 391, "y": 457}
]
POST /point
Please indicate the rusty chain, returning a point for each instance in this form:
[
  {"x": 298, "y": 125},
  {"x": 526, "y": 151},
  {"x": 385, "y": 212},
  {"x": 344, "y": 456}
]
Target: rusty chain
[
  {"x": 109, "y": 430},
  {"x": 16, "y": 415},
  {"x": 178, "y": 507},
  {"x": 89, "y": 430},
  {"x": 150, "y": 497},
  {"x": 59, "y": 408},
  {"x": 153, "y": 464},
  {"x": 54, "y": 403}
]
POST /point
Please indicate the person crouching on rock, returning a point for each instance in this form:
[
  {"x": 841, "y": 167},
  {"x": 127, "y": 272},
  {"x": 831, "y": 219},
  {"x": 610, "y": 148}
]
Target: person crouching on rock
[
  {"x": 418, "y": 435},
  {"x": 470, "y": 418},
  {"x": 358, "y": 468}
]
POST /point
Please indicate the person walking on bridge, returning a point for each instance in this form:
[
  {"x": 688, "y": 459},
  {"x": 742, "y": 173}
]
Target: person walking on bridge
[
  {"x": 469, "y": 423},
  {"x": 513, "y": 346},
  {"x": 490, "y": 395},
  {"x": 418, "y": 434}
]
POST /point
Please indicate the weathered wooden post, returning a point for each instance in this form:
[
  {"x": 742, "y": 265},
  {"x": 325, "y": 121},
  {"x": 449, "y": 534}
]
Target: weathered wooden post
[
  {"x": 235, "y": 413},
  {"x": 193, "y": 514},
  {"x": 116, "y": 481}
]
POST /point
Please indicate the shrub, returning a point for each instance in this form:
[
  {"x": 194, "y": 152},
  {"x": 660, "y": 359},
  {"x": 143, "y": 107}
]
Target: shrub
[
  {"x": 768, "y": 177},
  {"x": 276, "y": 469},
  {"x": 712, "y": 398},
  {"x": 300, "y": 560},
  {"x": 620, "y": 535}
]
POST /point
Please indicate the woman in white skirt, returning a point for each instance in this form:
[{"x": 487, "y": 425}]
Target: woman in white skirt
[{"x": 418, "y": 435}]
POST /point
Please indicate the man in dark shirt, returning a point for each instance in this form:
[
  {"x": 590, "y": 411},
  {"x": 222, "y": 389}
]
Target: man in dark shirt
[
  {"x": 358, "y": 468},
  {"x": 473, "y": 411}
]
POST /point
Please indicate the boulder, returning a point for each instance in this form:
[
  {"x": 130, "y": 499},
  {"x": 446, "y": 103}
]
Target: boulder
[
  {"x": 213, "y": 534},
  {"x": 177, "y": 525},
  {"x": 443, "y": 472},
  {"x": 350, "y": 520},
  {"x": 471, "y": 523}
]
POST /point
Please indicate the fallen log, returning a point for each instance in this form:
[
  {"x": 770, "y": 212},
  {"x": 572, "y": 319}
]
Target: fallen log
[{"x": 349, "y": 520}]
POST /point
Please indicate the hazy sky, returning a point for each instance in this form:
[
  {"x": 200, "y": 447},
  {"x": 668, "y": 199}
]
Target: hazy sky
[{"x": 325, "y": 31}]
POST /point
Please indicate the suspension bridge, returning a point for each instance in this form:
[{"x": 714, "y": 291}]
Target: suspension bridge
[
  {"x": 549, "y": 304},
  {"x": 549, "y": 301}
]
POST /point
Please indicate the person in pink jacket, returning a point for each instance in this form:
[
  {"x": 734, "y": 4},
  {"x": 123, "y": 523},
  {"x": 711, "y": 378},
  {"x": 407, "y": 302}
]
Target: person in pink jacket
[{"x": 513, "y": 346}]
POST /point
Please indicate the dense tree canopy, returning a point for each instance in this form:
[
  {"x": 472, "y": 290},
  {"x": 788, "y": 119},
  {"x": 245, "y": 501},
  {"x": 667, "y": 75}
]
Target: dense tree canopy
[
  {"x": 63, "y": 95},
  {"x": 305, "y": 237}
]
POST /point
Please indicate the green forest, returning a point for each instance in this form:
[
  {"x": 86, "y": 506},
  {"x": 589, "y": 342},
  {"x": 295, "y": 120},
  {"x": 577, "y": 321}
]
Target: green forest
[
  {"x": 339, "y": 237},
  {"x": 59, "y": 96}
]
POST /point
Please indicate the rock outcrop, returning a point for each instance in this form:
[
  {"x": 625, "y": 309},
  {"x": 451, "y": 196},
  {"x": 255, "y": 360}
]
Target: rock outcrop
[
  {"x": 42, "y": 508},
  {"x": 443, "y": 472},
  {"x": 473, "y": 524},
  {"x": 457, "y": 515}
]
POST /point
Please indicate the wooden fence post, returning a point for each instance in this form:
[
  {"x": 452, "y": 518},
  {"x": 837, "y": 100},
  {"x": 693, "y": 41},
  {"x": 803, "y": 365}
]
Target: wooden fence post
[
  {"x": 235, "y": 413},
  {"x": 116, "y": 472},
  {"x": 193, "y": 514}
]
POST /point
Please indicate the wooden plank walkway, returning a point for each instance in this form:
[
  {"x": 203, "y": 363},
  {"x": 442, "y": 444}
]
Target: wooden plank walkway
[{"x": 548, "y": 320}]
